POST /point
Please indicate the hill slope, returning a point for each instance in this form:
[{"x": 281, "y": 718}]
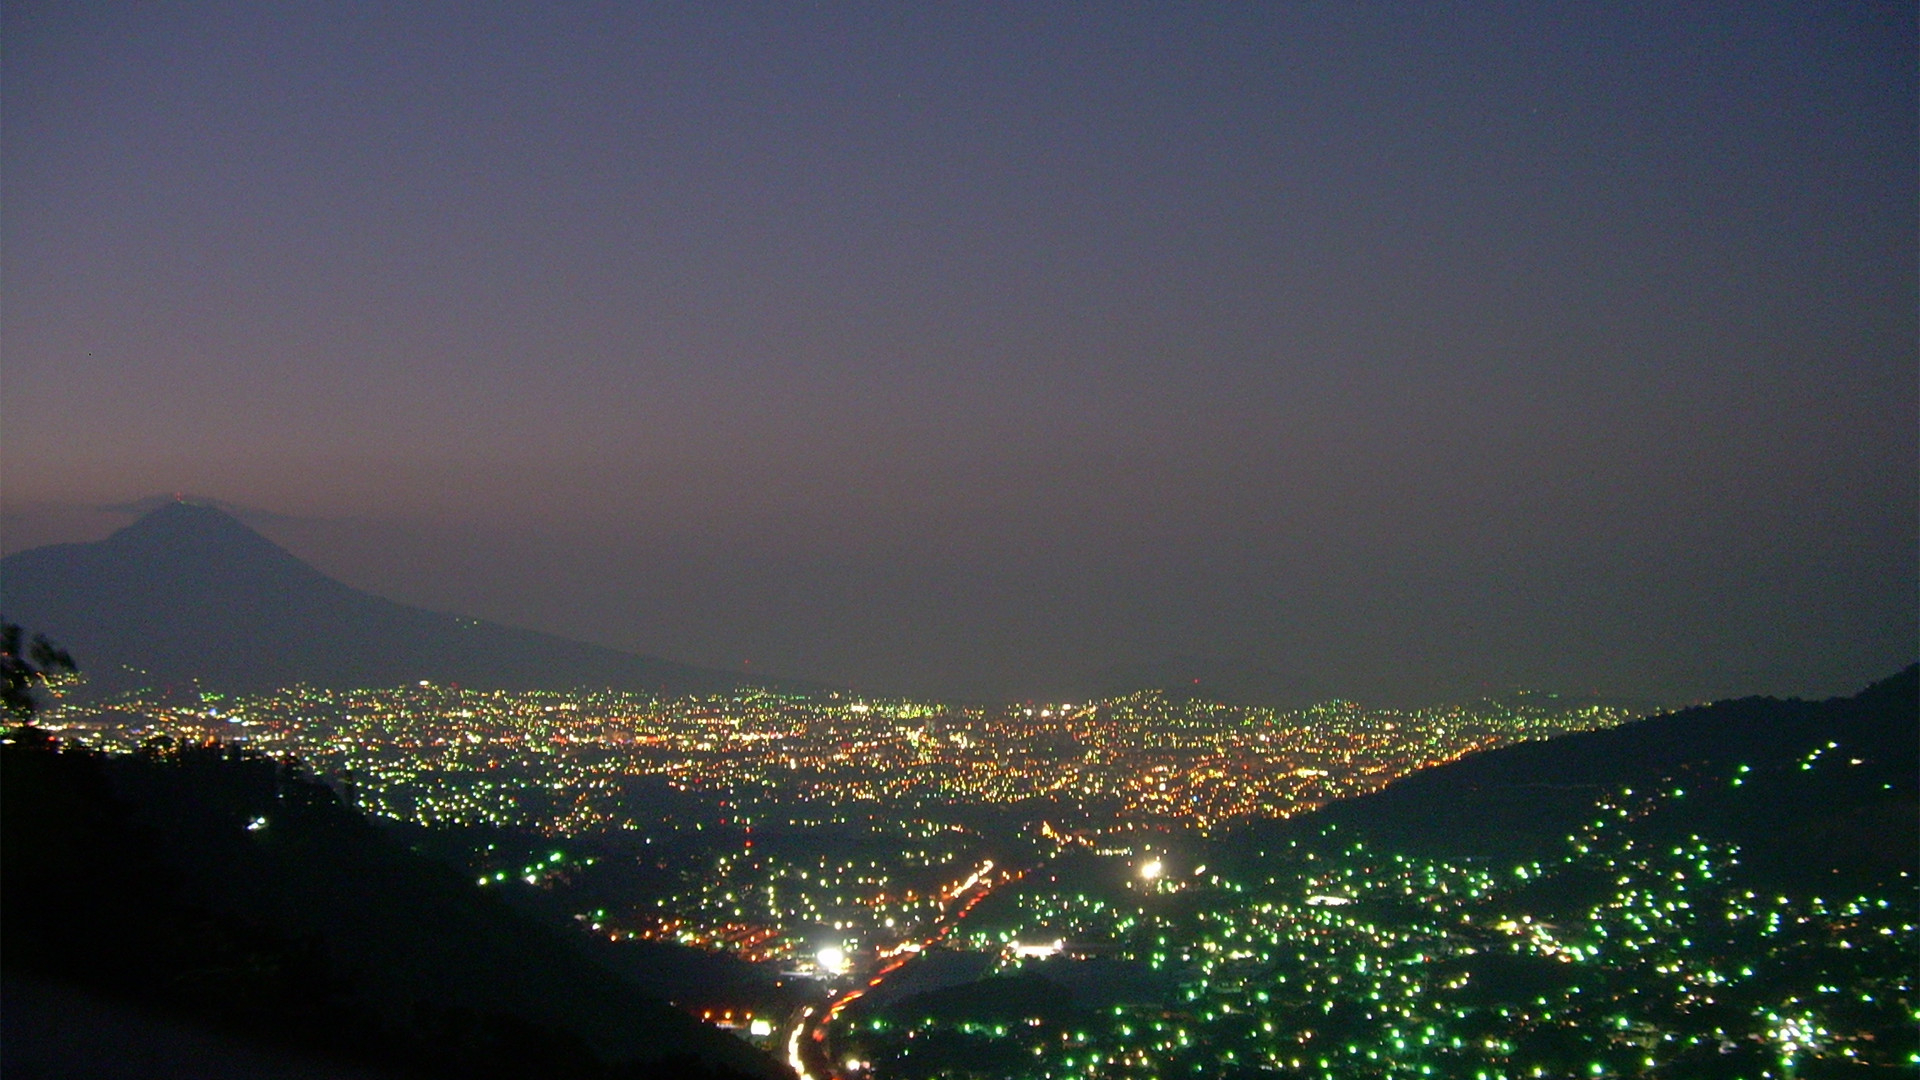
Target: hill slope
[
  {"x": 1828, "y": 788},
  {"x": 190, "y": 592},
  {"x": 238, "y": 897}
]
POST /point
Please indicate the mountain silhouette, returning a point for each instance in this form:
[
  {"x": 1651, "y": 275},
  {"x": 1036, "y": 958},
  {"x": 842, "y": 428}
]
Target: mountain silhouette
[{"x": 190, "y": 594}]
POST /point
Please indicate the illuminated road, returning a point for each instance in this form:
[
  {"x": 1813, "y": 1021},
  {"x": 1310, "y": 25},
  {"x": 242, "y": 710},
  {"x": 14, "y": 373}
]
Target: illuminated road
[
  {"x": 796, "y": 1058},
  {"x": 807, "y": 1041}
]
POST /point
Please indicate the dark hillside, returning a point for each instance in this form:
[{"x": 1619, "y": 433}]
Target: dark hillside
[
  {"x": 1823, "y": 787},
  {"x": 234, "y": 894}
]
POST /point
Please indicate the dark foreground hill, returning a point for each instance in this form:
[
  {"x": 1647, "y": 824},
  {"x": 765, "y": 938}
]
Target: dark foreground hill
[
  {"x": 214, "y": 898},
  {"x": 190, "y": 592}
]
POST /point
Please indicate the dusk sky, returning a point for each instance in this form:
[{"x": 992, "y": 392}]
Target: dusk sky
[{"x": 1404, "y": 350}]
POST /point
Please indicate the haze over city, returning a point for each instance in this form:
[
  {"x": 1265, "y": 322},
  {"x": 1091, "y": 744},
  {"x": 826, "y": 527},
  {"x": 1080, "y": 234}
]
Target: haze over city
[{"x": 1396, "y": 352}]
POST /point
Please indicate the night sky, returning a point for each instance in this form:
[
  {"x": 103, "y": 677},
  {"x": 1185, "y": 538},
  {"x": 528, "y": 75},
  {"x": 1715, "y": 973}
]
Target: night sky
[{"x": 1402, "y": 350}]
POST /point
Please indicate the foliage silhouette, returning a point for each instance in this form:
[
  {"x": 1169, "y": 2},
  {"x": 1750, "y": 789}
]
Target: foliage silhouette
[{"x": 28, "y": 667}]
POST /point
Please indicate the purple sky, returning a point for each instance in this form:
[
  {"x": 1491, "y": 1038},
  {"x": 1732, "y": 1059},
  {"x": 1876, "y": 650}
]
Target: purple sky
[{"x": 1401, "y": 349}]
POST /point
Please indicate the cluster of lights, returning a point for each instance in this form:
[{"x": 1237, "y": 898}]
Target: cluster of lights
[
  {"x": 1346, "y": 961},
  {"x": 564, "y": 764}
]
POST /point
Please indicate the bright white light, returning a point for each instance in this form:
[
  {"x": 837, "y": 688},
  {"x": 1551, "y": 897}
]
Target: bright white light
[
  {"x": 1151, "y": 870},
  {"x": 833, "y": 960},
  {"x": 760, "y": 1028},
  {"x": 1037, "y": 952},
  {"x": 1323, "y": 900}
]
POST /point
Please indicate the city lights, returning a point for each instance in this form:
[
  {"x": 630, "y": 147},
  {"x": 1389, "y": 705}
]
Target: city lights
[{"x": 846, "y": 845}]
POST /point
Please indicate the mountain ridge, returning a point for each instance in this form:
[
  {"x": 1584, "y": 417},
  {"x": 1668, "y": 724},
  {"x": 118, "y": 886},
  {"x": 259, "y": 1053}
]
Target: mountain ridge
[{"x": 190, "y": 591}]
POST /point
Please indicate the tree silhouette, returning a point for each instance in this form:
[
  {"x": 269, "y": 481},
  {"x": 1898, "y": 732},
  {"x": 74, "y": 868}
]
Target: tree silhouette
[{"x": 26, "y": 668}]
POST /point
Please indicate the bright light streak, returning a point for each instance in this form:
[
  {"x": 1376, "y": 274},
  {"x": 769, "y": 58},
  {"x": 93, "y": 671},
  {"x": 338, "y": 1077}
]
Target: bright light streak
[
  {"x": 972, "y": 880},
  {"x": 793, "y": 1045}
]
